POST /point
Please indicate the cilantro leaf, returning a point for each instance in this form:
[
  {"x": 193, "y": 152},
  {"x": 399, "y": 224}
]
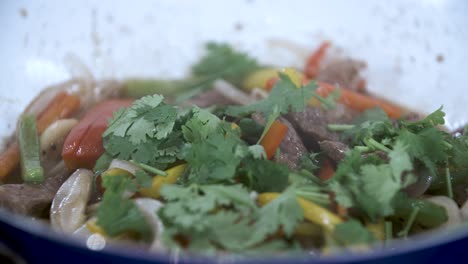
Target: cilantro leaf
[
  {"x": 148, "y": 116},
  {"x": 265, "y": 175},
  {"x": 222, "y": 62},
  {"x": 353, "y": 233},
  {"x": 434, "y": 119},
  {"x": 145, "y": 132},
  {"x": 370, "y": 184},
  {"x": 118, "y": 214},
  {"x": 284, "y": 97},
  {"x": 217, "y": 157},
  {"x": 283, "y": 212},
  {"x": 209, "y": 214},
  {"x": 143, "y": 179},
  {"x": 200, "y": 125},
  {"x": 426, "y": 146}
]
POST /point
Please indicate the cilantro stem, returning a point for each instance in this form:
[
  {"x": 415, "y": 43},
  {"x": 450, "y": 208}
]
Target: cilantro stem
[
  {"x": 319, "y": 198},
  {"x": 409, "y": 223},
  {"x": 340, "y": 127},
  {"x": 362, "y": 148},
  {"x": 149, "y": 168},
  {"x": 388, "y": 232},
  {"x": 448, "y": 180},
  {"x": 370, "y": 142}
]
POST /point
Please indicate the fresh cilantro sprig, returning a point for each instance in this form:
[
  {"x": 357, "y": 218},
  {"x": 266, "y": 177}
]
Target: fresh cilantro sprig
[
  {"x": 221, "y": 61},
  {"x": 284, "y": 97},
  {"x": 117, "y": 214},
  {"x": 370, "y": 184},
  {"x": 145, "y": 133}
]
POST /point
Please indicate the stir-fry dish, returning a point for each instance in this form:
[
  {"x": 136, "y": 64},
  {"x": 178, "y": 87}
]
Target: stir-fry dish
[{"x": 238, "y": 157}]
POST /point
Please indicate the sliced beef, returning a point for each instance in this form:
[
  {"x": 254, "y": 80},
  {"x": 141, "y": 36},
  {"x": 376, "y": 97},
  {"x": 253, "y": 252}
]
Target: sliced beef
[
  {"x": 208, "y": 98},
  {"x": 335, "y": 150},
  {"x": 344, "y": 72},
  {"x": 33, "y": 199},
  {"x": 313, "y": 121},
  {"x": 291, "y": 148}
]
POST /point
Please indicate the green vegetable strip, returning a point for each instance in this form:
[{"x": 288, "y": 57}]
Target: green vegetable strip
[
  {"x": 30, "y": 158},
  {"x": 137, "y": 88},
  {"x": 149, "y": 168},
  {"x": 448, "y": 180},
  {"x": 340, "y": 127},
  {"x": 409, "y": 223},
  {"x": 430, "y": 214},
  {"x": 373, "y": 143},
  {"x": 388, "y": 232}
]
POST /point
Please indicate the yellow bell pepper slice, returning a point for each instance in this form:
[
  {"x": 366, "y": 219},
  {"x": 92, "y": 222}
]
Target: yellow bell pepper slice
[
  {"x": 158, "y": 181},
  {"x": 259, "y": 79},
  {"x": 312, "y": 212}
]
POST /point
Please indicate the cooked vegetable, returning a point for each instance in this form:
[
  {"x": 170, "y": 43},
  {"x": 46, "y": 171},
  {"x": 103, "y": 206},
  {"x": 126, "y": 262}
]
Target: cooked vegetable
[
  {"x": 312, "y": 212},
  {"x": 67, "y": 212},
  {"x": 273, "y": 138},
  {"x": 83, "y": 145},
  {"x": 300, "y": 166},
  {"x": 61, "y": 106},
  {"x": 359, "y": 101},
  {"x": 31, "y": 169},
  {"x": 158, "y": 181},
  {"x": 326, "y": 170},
  {"x": 452, "y": 209},
  {"x": 55, "y": 134},
  {"x": 312, "y": 66}
]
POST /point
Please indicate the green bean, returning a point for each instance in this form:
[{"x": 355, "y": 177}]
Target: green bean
[
  {"x": 30, "y": 156},
  {"x": 140, "y": 87},
  {"x": 429, "y": 214}
]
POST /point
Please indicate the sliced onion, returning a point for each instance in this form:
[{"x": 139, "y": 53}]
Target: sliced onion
[
  {"x": 124, "y": 165},
  {"x": 464, "y": 211},
  {"x": 232, "y": 93},
  {"x": 56, "y": 133},
  {"x": 149, "y": 208},
  {"x": 258, "y": 93},
  {"x": 67, "y": 212},
  {"x": 453, "y": 212}
]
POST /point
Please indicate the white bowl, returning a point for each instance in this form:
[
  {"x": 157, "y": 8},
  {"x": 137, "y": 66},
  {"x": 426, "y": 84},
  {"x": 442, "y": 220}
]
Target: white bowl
[{"x": 45, "y": 42}]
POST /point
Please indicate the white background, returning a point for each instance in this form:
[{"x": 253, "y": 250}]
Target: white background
[{"x": 400, "y": 41}]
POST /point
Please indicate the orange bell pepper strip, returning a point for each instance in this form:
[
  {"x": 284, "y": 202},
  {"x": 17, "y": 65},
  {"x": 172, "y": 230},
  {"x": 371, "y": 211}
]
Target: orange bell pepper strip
[
  {"x": 360, "y": 101},
  {"x": 61, "y": 106},
  {"x": 326, "y": 171},
  {"x": 273, "y": 138},
  {"x": 84, "y": 145},
  {"x": 312, "y": 65}
]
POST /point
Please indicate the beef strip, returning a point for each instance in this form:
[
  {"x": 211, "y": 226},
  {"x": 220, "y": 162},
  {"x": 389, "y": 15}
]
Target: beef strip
[
  {"x": 291, "y": 148},
  {"x": 33, "y": 199},
  {"x": 344, "y": 72},
  {"x": 208, "y": 98},
  {"x": 312, "y": 122},
  {"x": 335, "y": 150}
]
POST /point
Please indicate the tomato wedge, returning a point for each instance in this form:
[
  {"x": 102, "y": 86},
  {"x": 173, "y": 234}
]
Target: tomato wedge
[{"x": 83, "y": 146}]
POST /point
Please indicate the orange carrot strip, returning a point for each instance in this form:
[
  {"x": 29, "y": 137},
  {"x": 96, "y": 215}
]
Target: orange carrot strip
[
  {"x": 61, "y": 106},
  {"x": 359, "y": 101},
  {"x": 273, "y": 138},
  {"x": 270, "y": 83},
  {"x": 326, "y": 171},
  {"x": 9, "y": 159},
  {"x": 312, "y": 65}
]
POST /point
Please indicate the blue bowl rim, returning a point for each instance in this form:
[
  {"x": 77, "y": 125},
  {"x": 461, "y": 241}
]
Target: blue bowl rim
[{"x": 420, "y": 242}]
